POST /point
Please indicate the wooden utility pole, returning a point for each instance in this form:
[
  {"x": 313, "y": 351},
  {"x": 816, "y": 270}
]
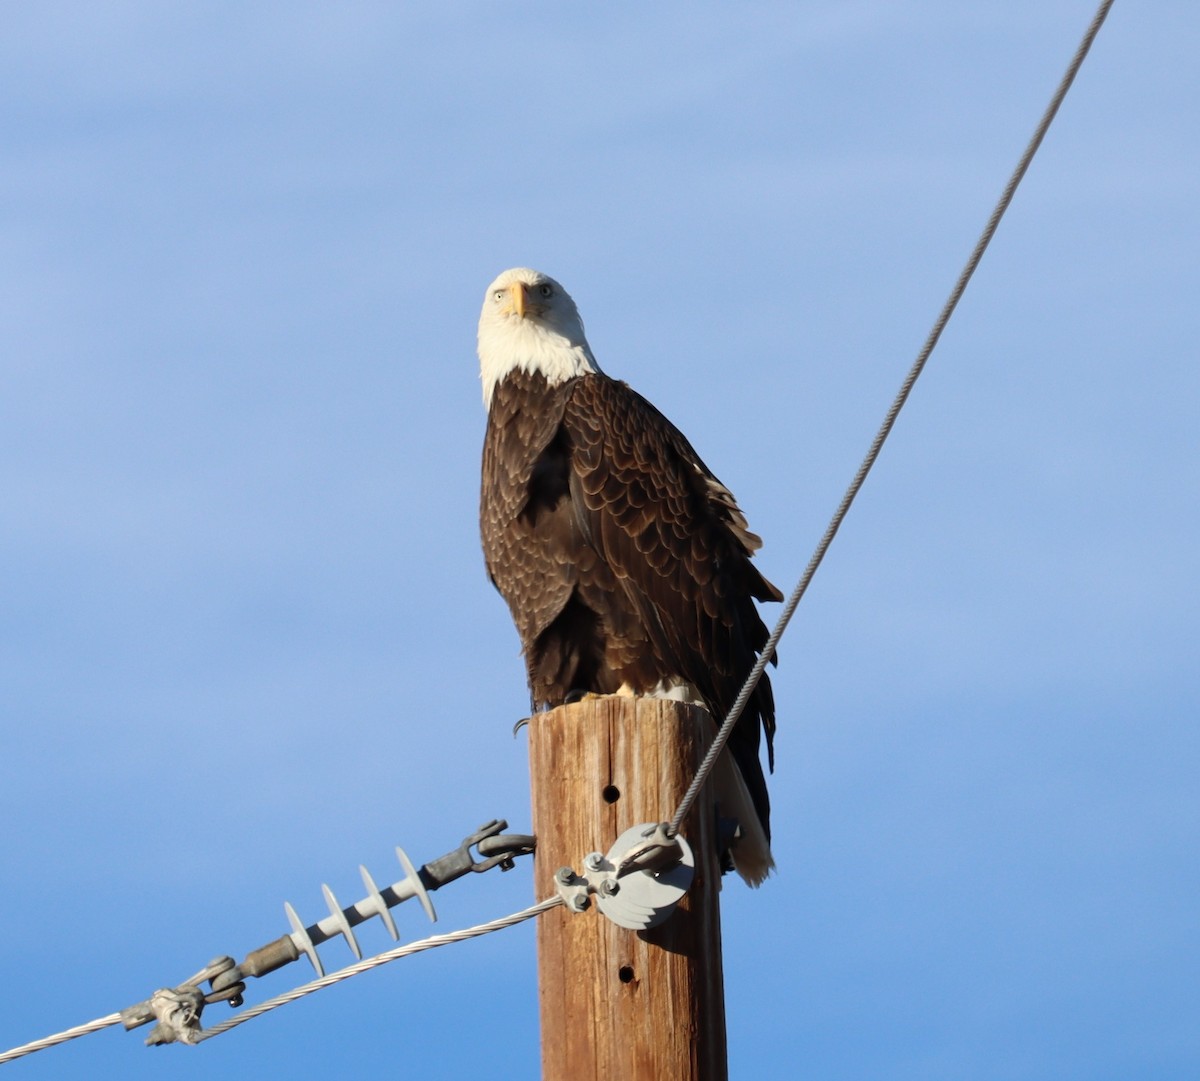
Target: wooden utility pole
[{"x": 622, "y": 1005}]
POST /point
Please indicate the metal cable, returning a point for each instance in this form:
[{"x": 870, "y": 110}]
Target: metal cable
[
  {"x": 939, "y": 325},
  {"x": 61, "y": 1037},
  {"x": 381, "y": 959},
  {"x": 306, "y": 989}
]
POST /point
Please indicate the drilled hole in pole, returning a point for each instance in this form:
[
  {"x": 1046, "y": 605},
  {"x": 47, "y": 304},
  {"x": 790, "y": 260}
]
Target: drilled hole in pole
[
  {"x": 625, "y": 974},
  {"x": 611, "y": 793}
]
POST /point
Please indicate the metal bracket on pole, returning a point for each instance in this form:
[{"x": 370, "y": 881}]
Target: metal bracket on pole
[
  {"x": 573, "y": 889},
  {"x": 638, "y": 884}
]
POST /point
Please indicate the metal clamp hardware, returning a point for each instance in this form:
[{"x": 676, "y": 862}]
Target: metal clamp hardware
[
  {"x": 654, "y": 851},
  {"x": 497, "y": 848},
  {"x": 638, "y": 884},
  {"x": 178, "y": 1009},
  {"x": 573, "y": 889}
]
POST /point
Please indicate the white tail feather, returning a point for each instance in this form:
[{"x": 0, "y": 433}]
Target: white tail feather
[{"x": 751, "y": 851}]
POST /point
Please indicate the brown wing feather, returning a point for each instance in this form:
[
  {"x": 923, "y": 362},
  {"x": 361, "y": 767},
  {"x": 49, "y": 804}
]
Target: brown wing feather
[
  {"x": 515, "y": 497},
  {"x": 679, "y": 548}
]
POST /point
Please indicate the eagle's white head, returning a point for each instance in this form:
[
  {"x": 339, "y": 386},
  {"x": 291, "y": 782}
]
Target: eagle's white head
[{"x": 530, "y": 323}]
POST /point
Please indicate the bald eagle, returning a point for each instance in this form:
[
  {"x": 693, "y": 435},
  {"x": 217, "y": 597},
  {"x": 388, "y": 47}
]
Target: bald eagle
[{"x": 625, "y": 562}]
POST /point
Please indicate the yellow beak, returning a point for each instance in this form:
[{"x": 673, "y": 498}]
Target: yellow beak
[{"x": 517, "y": 291}]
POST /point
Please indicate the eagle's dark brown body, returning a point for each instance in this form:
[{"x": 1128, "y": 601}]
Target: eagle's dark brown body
[{"x": 623, "y": 560}]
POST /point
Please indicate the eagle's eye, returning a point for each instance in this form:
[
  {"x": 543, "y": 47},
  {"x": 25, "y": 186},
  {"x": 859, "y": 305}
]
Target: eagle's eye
[
  {"x": 498, "y": 295},
  {"x": 546, "y": 290}
]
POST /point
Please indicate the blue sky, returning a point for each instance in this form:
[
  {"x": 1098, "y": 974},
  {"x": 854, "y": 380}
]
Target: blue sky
[{"x": 246, "y": 641}]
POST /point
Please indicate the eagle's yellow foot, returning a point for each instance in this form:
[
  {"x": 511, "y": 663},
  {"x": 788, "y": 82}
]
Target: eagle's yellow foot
[
  {"x": 623, "y": 691},
  {"x": 581, "y": 696}
]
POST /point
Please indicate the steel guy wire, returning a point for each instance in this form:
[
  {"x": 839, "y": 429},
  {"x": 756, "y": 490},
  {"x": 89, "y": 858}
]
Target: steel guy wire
[
  {"x": 61, "y": 1037},
  {"x": 306, "y": 989},
  {"x": 889, "y": 420},
  {"x": 432, "y": 942}
]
